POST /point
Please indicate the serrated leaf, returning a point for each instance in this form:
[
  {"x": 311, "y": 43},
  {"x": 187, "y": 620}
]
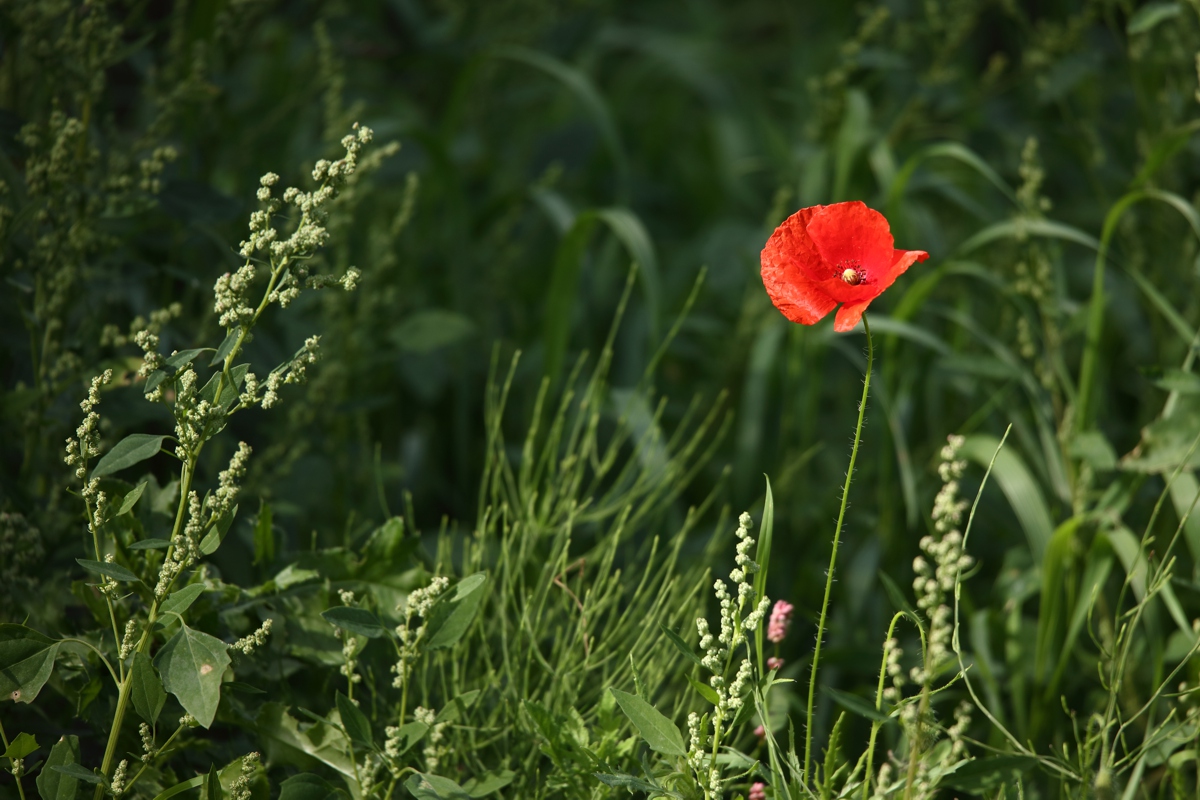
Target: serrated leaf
[
  {"x": 354, "y": 721},
  {"x": 191, "y": 665},
  {"x": 179, "y": 601},
  {"x": 133, "y": 449},
  {"x": 453, "y": 612},
  {"x": 146, "y": 689},
  {"x": 216, "y": 535},
  {"x": 355, "y": 620},
  {"x": 53, "y": 785},
  {"x": 26, "y": 661},
  {"x": 434, "y": 787},
  {"x": 150, "y": 544},
  {"x": 680, "y": 644},
  {"x": 131, "y": 499},
  {"x": 184, "y": 357},
  {"x": 660, "y": 733},
  {"x": 22, "y": 745},
  {"x": 307, "y": 786},
  {"x": 109, "y": 570},
  {"x": 856, "y": 704}
]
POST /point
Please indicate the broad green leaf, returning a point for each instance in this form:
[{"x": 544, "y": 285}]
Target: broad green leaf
[
  {"x": 1093, "y": 448},
  {"x": 180, "y": 788},
  {"x": 131, "y": 498},
  {"x": 184, "y": 357},
  {"x": 179, "y": 601},
  {"x": 285, "y": 742},
  {"x": 154, "y": 380},
  {"x": 211, "y": 788},
  {"x": 150, "y": 544},
  {"x": 212, "y": 540},
  {"x": 1018, "y": 485},
  {"x": 680, "y": 644},
  {"x": 409, "y": 734},
  {"x": 453, "y": 612},
  {"x": 54, "y": 785},
  {"x": 146, "y": 689},
  {"x": 1149, "y": 16},
  {"x": 26, "y": 661},
  {"x": 660, "y": 733},
  {"x": 432, "y": 329},
  {"x": 110, "y": 570},
  {"x": 855, "y": 704},
  {"x": 191, "y": 665},
  {"x": 994, "y": 772},
  {"x": 79, "y": 773},
  {"x": 1176, "y": 380},
  {"x": 621, "y": 780},
  {"x": 1167, "y": 443},
  {"x": 307, "y": 786},
  {"x": 489, "y": 783},
  {"x": 434, "y": 787},
  {"x": 457, "y": 708},
  {"x": 133, "y": 449},
  {"x": 22, "y": 745},
  {"x": 226, "y": 347},
  {"x": 704, "y": 690},
  {"x": 354, "y": 721},
  {"x": 355, "y": 620}
]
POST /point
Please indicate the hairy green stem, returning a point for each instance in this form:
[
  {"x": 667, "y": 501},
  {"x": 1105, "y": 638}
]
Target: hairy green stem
[
  {"x": 837, "y": 535},
  {"x": 876, "y": 724}
]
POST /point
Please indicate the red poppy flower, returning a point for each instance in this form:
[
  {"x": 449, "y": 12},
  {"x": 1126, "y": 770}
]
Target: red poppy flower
[{"x": 824, "y": 255}]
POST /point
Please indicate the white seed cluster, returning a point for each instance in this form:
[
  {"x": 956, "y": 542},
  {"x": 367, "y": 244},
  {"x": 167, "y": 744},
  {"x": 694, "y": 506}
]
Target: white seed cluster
[
  {"x": 418, "y": 604},
  {"x": 892, "y": 653},
  {"x": 86, "y": 442},
  {"x": 127, "y": 640},
  {"x": 117, "y": 785},
  {"x": 247, "y": 644},
  {"x": 943, "y": 562},
  {"x": 148, "y": 748},
  {"x": 239, "y": 789},
  {"x": 350, "y": 644}
]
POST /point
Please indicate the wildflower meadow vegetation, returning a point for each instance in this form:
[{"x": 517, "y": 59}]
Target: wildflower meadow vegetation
[{"x": 585, "y": 399}]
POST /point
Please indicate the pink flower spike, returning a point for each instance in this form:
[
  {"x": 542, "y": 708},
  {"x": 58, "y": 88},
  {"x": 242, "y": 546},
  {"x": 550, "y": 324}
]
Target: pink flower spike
[
  {"x": 758, "y": 791},
  {"x": 781, "y": 618},
  {"x": 760, "y": 732},
  {"x": 774, "y": 663}
]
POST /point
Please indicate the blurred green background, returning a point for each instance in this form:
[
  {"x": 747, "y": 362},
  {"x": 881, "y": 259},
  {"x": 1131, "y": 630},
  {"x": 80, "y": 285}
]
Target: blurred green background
[{"x": 545, "y": 148}]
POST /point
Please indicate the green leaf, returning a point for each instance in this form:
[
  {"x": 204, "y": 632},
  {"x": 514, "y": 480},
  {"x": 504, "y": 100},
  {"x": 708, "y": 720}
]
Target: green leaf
[
  {"x": 53, "y": 785},
  {"x": 211, "y": 788},
  {"x": 680, "y": 644},
  {"x": 26, "y": 661},
  {"x": 226, "y": 347},
  {"x": 1022, "y": 228},
  {"x": 660, "y": 733},
  {"x": 453, "y": 612},
  {"x": 213, "y": 539},
  {"x": 131, "y": 499},
  {"x": 21, "y": 746},
  {"x": 133, "y": 449},
  {"x": 621, "y": 780},
  {"x": 307, "y": 786},
  {"x": 184, "y": 357},
  {"x": 1151, "y": 15},
  {"x": 114, "y": 571},
  {"x": 264, "y": 535},
  {"x": 1018, "y": 485},
  {"x": 409, "y": 734},
  {"x": 285, "y": 742},
  {"x": 154, "y": 380},
  {"x": 1093, "y": 448},
  {"x": 191, "y": 665},
  {"x": 180, "y": 788},
  {"x": 150, "y": 544},
  {"x": 179, "y": 601},
  {"x": 354, "y": 721},
  {"x": 993, "y": 772},
  {"x": 855, "y": 704},
  {"x": 355, "y": 620},
  {"x": 146, "y": 689},
  {"x": 432, "y": 329},
  {"x": 488, "y": 783},
  {"x": 704, "y": 690},
  {"x": 457, "y": 708},
  {"x": 79, "y": 773},
  {"x": 434, "y": 787}
]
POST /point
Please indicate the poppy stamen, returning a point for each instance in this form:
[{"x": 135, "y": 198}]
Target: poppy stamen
[{"x": 850, "y": 272}]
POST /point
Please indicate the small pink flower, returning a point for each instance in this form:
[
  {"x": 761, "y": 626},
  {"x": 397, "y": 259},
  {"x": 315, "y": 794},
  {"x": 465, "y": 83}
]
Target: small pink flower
[
  {"x": 760, "y": 732},
  {"x": 758, "y": 791},
  {"x": 781, "y": 617},
  {"x": 774, "y": 663}
]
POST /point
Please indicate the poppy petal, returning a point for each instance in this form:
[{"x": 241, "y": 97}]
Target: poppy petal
[
  {"x": 788, "y": 259},
  {"x": 851, "y": 233},
  {"x": 849, "y": 315}
]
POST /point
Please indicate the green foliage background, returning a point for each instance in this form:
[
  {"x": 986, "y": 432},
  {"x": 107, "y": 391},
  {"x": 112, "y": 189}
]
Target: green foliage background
[{"x": 547, "y": 146}]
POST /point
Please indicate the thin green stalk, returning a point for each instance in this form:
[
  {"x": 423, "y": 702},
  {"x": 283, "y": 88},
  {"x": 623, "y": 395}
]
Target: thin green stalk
[
  {"x": 876, "y": 724},
  {"x": 4, "y": 740},
  {"x": 837, "y": 535}
]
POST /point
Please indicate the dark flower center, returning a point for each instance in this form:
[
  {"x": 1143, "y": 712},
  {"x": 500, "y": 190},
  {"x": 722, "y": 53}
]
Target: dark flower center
[{"x": 851, "y": 272}]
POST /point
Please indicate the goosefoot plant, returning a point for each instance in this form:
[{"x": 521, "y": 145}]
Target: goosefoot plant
[{"x": 145, "y": 583}]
